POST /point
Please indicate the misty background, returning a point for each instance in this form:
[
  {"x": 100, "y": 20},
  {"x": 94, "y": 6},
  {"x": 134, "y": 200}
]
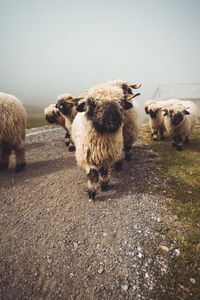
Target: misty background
[{"x": 51, "y": 47}]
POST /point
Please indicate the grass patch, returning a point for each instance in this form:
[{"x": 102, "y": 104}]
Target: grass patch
[
  {"x": 34, "y": 121},
  {"x": 181, "y": 171}
]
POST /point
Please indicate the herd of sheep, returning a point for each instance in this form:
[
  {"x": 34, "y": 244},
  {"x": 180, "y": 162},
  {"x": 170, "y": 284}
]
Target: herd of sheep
[{"x": 100, "y": 124}]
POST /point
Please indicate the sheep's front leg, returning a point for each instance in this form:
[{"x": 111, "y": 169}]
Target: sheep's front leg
[
  {"x": 68, "y": 142},
  {"x": 93, "y": 178},
  {"x": 5, "y": 152},
  {"x": 67, "y": 138},
  {"x": 72, "y": 147},
  {"x": 179, "y": 146},
  {"x": 104, "y": 179},
  {"x": 155, "y": 135}
]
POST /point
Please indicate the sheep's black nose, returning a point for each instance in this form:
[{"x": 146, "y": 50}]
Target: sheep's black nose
[{"x": 51, "y": 119}]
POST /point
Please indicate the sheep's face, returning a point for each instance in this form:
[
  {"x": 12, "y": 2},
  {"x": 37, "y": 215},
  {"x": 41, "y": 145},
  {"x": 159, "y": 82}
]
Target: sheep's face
[
  {"x": 153, "y": 113},
  {"x": 106, "y": 117},
  {"x": 66, "y": 104},
  {"x": 152, "y": 110},
  {"x": 176, "y": 115},
  {"x": 52, "y": 114},
  {"x": 65, "y": 107}
]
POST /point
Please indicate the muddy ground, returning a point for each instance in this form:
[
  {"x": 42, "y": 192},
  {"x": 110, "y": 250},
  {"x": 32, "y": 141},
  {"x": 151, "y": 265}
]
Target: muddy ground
[{"x": 56, "y": 244}]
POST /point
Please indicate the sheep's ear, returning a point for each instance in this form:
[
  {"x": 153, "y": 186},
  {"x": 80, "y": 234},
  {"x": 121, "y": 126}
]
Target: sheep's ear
[
  {"x": 165, "y": 112},
  {"x": 146, "y": 110},
  {"x": 81, "y": 107},
  {"x": 127, "y": 105},
  {"x": 135, "y": 86},
  {"x": 130, "y": 96},
  {"x": 186, "y": 112}
]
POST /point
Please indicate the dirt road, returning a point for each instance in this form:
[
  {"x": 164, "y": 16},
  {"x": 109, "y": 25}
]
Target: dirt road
[{"x": 55, "y": 244}]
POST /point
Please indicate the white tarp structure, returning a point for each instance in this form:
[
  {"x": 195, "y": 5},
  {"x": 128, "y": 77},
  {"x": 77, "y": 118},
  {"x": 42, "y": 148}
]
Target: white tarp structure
[{"x": 178, "y": 91}]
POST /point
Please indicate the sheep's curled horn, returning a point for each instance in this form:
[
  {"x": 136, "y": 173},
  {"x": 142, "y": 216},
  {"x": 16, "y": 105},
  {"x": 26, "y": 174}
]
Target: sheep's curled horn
[
  {"x": 135, "y": 86},
  {"x": 130, "y": 96}
]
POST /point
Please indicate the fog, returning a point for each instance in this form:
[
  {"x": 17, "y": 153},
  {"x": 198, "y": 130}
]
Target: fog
[{"x": 51, "y": 47}]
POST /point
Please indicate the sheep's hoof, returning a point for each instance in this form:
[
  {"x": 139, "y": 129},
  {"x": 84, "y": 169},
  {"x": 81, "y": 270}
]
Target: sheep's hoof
[
  {"x": 20, "y": 167},
  {"x": 91, "y": 194},
  {"x": 72, "y": 148},
  {"x": 128, "y": 157},
  {"x": 155, "y": 139},
  {"x": 3, "y": 167},
  {"x": 104, "y": 186},
  {"x": 67, "y": 144},
  {"x": 118, "y": 166},
  {"x": 186, "y": 141},
  {"x": 179, "y": 148}
]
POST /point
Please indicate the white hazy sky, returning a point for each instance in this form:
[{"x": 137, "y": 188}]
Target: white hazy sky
[{"x": 50, "y": 47}]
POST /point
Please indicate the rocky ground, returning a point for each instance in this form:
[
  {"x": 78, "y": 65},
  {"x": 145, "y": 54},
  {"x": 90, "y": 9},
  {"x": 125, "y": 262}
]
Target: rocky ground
[{"x": 56, "y": 244}]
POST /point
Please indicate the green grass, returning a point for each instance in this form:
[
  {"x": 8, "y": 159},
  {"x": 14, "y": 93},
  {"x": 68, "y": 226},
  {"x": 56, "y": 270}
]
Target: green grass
[
  {"x": 34, "y": 121},
  {"x": 181, "y": 170}
]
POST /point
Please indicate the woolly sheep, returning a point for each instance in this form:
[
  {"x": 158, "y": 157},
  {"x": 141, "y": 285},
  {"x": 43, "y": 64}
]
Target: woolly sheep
[
  {"x": 156, "y": 118},
  {"x": 53, "y": 116},
  {"x": 180, "y": 118},
  {"x": 12, "y": 131},
  {"x": 67, "y": 106},
  {"x": 97, "y": 133},
  {"x": 132, "y": 120}
]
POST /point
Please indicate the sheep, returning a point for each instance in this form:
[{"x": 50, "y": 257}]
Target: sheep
[
  {"x": 132, "y": 121},
  {"x": 180, "y": 118},
  {"x": 66, "y": 104},
  {"x": 156, "y": 118},
  {"x": 12, "y": 131},
  {"x": 53, "y": 116},
  {"x": 97, "y": 133}
]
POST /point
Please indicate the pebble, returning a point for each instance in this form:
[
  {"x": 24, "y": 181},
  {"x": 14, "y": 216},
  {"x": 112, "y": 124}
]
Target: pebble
[
  {"x": 100, "y": 271},
  {"x": 140, "y": 255},
  {"x": 192, "y": 280},
  {"x": 177, "y": 252},
  {"x": 125, "y": 287},
  {"x": 75, "y": 246},
  {"x": 164, "y": 248}
]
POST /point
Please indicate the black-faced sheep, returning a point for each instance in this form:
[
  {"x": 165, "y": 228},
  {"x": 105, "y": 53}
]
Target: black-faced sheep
[
  {"x": 180, "y": 118},
  {"x": 156, "y": 118},
  {"x": 132, "y": 120},
  {"x": 12, "y": 131},
  {"x": 66, "y": 104},
  {"x": 53, "y": 116},
  {"x": 97, "y": 133}
]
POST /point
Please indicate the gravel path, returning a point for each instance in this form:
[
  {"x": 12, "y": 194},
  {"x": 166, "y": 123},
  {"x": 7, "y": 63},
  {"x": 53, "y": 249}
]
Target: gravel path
[{"x": 55, "y": 244}]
